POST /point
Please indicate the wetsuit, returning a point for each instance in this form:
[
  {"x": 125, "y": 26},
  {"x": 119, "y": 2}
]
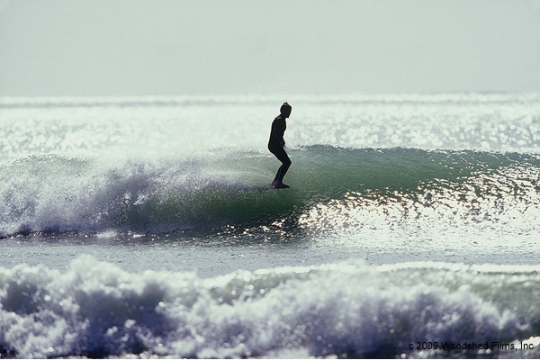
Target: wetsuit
[{"x": 276, "y": 144}]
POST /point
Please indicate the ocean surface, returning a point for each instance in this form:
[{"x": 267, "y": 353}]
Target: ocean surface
[{"x": 141, "y": 227}]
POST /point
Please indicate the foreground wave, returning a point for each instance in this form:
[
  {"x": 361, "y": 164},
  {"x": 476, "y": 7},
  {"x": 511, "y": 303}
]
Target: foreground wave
[
  {"x": 346, "y": 309},
  {"x": 331, "y": 187}
]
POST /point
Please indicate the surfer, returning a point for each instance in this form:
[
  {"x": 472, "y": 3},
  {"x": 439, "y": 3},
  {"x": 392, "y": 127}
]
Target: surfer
[{"x": 276, "y": 145}]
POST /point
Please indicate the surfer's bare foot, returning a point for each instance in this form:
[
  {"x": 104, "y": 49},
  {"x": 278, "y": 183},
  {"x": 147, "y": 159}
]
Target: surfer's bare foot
[{"x": 279, "y": 185}]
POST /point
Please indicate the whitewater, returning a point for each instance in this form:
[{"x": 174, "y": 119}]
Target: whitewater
[{"x": 142, "y": 227}]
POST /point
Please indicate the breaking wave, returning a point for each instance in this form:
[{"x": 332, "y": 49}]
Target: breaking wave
[
  {"x": 348, "y": 309},
  {"x": 330, "y": 187}
]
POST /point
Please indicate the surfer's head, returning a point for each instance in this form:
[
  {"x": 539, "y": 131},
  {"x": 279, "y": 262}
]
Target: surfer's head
[{"x": 286, "y": 109}]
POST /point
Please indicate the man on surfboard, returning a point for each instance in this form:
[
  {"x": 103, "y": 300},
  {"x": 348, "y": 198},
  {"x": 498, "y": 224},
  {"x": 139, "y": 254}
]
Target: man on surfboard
[{"x": 276, "y": 145}]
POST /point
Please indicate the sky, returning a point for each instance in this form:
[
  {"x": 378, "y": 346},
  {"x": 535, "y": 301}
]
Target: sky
[{"x": 219, "y": 47}]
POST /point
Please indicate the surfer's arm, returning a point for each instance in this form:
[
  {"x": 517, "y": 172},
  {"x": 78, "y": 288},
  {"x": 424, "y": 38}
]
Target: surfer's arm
[{"x": 278, "y": 130}]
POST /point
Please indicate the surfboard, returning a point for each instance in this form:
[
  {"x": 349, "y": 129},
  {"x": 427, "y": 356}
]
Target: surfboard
[
  {"x": 263, "y": 188},
  {"x": 268, "y": 187}
]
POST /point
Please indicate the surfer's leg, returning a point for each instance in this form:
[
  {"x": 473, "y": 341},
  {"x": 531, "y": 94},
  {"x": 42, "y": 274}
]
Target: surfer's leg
[
  {"x": 286, "y": 163},
  {"x": 282, "y": 171}
]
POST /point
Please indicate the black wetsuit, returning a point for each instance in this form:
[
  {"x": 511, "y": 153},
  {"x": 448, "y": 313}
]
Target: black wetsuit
[{"x": 275, "y": 145}]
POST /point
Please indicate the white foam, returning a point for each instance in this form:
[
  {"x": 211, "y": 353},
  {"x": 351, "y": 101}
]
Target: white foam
[{"x": 97, "y": 309}]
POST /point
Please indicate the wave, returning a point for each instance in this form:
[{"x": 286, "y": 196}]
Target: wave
[
  {"x": 95, "y": 309},
  {"x": 330, "y": 186},
  {"x": 194, "y": 100}
]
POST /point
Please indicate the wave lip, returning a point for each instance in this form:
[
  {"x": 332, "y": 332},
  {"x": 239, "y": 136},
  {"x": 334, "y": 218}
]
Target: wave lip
[{"x": 95, "y": 309}]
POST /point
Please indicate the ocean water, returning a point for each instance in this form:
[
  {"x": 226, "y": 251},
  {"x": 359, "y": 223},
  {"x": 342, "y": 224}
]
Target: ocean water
[{"x": 140, "y": 227}]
